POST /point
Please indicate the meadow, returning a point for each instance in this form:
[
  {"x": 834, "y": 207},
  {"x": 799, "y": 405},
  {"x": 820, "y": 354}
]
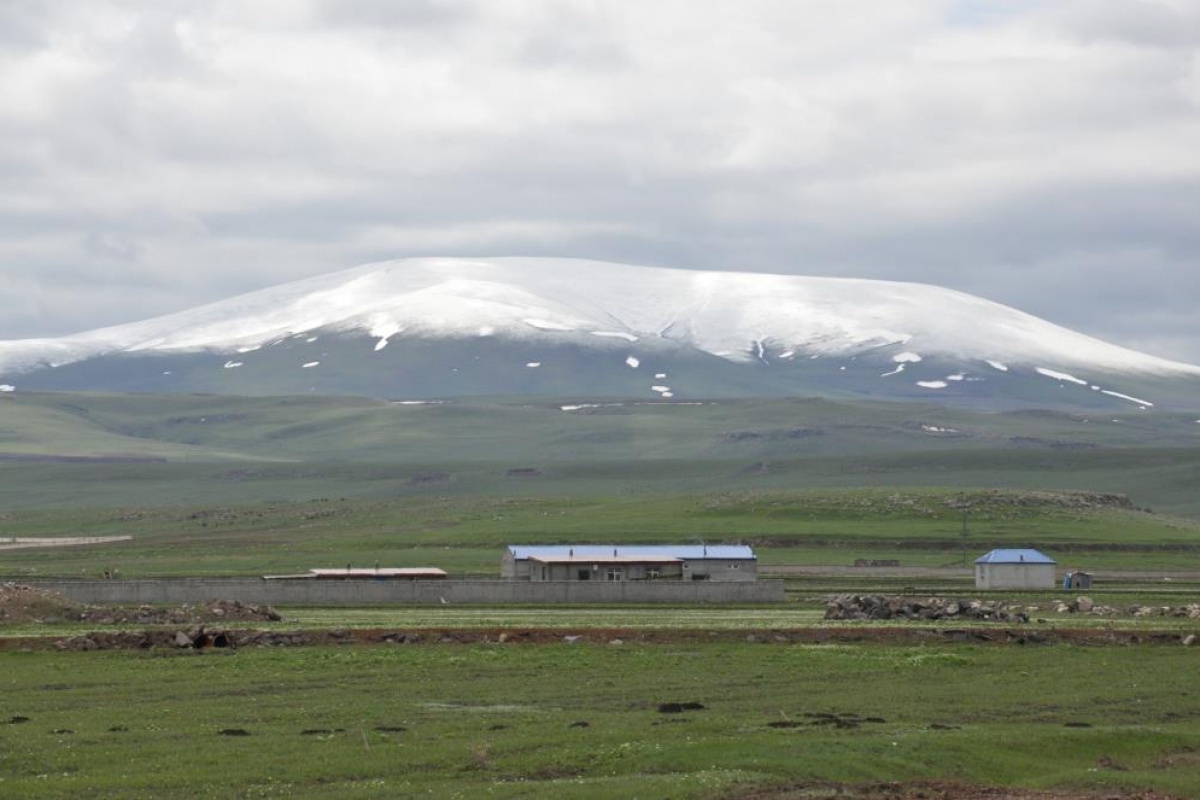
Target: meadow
[
  {"x": 588, "y": 720},
  {"x": 466, "y": 535}
]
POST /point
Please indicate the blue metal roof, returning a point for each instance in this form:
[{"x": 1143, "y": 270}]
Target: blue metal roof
[
  {"x": 690, "y": 552},
  {"x": 1017, "y": 556}
]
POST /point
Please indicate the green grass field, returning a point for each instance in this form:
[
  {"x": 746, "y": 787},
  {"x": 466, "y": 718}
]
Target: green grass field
[
  {"x": 466, "y": 535},
  {"x": 583, "y": 720}
]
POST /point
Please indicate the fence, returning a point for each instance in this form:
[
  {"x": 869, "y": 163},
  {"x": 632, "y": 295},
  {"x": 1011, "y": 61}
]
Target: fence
[{"x": 371, "y": 592}]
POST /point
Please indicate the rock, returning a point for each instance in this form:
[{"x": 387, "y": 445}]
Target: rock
[
  {"x": 617, "y": 642},
  {"x": 1084, "y": 604},
  {"x": 571, "y": 639},
  {"x": 502, "y": 638},
  {"x": 1188, "y": 640},
  {"x": 181, "y": 639}
]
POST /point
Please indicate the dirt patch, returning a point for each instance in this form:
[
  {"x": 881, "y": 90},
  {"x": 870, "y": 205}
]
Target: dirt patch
[
  {"x": 21, "y": 604},
  {"x": 679, "y": 708},
  {"x": 33, "y": 543},
  {"x": 24, "y": 604}
]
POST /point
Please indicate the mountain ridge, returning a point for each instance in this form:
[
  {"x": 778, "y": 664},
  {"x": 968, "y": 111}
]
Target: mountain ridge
[{"x": 449, "y": 307}]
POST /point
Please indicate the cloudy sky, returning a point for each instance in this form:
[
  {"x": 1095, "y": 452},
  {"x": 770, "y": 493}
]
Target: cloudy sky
[{"x": 1045, "y": 154}]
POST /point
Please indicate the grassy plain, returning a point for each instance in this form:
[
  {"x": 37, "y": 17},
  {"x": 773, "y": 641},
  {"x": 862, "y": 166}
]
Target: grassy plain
[
  {"x": 465, "y": 535},
  {"x": 583, "y": 721}
]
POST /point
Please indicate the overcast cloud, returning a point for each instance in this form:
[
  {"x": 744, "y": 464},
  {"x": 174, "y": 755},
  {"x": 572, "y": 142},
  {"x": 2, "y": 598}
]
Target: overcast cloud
[{"x": 159, "y": 154}]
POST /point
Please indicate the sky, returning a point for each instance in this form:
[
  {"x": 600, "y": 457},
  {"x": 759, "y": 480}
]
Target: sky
[{"x": 160, "y": 154}]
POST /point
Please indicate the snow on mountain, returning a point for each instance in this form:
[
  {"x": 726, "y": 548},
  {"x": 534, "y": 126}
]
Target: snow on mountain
[{"x": 738, "y": 316}]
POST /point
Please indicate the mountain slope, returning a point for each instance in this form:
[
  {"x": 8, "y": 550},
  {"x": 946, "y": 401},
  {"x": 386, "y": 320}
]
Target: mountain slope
[{"x": 538, "y": 326}]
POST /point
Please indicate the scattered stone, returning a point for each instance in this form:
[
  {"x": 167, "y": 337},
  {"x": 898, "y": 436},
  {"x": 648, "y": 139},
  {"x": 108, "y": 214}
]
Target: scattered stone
[
  {"x": 1084, "y": 604},
  {"x": 880, "y": 607},
  {"x": 182, "y": 639},
  {"x": 571, "y": 639},
  {"x": 1188, "y": 640}
]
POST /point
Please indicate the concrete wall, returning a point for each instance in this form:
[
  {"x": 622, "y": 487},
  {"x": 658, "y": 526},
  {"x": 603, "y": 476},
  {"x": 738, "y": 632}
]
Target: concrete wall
[
  {"x": 174, "y": 591},
  {"x": 1014, "y": 576}
]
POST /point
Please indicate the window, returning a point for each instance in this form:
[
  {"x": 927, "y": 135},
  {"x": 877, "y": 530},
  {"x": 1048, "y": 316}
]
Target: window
[
  {"x": 614, "y": 574},
  {"x": 735, "y": 565},
  {"x": 653, "y": 572}
]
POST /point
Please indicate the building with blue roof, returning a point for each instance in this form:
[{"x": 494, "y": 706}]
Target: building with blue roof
[
  {"x": 594, "y": 562},
  {"x": 1018, "y": 568}
]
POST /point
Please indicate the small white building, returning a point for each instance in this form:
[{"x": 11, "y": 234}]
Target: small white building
[
  {"x": 1014, "y": 569},
  {"x": 582, "y": 562}
]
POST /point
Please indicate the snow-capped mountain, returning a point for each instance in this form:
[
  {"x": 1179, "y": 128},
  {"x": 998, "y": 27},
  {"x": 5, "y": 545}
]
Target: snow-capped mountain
[{"x": 442, "y": 326}]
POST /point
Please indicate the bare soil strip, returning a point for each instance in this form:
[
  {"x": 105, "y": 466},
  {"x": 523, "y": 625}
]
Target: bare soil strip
[
  {"x": 170, "y": 637},
  {"x": 27, "y": 543}
]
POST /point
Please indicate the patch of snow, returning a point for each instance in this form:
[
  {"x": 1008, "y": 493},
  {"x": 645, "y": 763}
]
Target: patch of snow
[
  {"x": 486, "y": 330},
  {"x": 843, "y": 369},
  {"x": 787, "y": 354},
  {"x": 233, "y": 364},
  {"x": 1094, "y": 388},
  {"x": 629, "y": 337},
  {"x": 383, "y": 328},
  {"x": 310, "y": 364},
  {"x": 1060, "y": 376},
  {"x": 932, "y": 384},
  {"x": 660, "y": 375},
  {"x": 249, "y": 349},
  {"x": 534, "y": 364},
  {"x": 548, "y": 325},
  {"x": 760, "y": 349},
  {"x": 7, "y": 387},
  {"x": 1120, "y": 396},
  {"x": 958, "y": 376},
  {"x": 168, "y": 372},
  {"x": 936, "y": 429},
  {"x": 419, "y": 402},
  {"x": 312, "y": 339},
  {"x": 997, "y": 365},
  {"x": 667, "y": 394},
  {"x": 633, "y": 361},
  {"x": 906, "y": 358},
  {"x": 584, "y": 405},
  {"x": 899, "y": 368},
  {"x": 660, "y": 388}
]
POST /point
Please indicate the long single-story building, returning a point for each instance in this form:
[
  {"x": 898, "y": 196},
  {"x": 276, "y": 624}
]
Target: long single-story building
[
  {"x": 366, "y": 574},
  {"x": 1014, "y": 569},
  {"x": 592, "y": 562}
]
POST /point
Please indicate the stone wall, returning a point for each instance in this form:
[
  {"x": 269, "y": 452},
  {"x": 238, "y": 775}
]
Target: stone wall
[{"x": 354, "y": 593}]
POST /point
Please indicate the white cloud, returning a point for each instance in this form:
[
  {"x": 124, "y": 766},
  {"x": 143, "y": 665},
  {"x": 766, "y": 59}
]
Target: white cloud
[{"x": 187, "y": 151}]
